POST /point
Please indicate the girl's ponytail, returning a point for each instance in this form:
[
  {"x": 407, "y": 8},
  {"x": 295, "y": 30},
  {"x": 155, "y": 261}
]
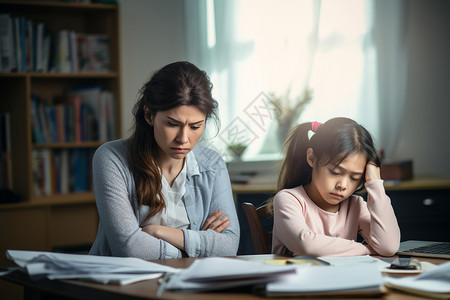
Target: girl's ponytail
[{"x": 295, "y": 170}]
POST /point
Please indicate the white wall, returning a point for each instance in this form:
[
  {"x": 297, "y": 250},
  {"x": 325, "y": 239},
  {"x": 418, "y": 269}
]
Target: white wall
[
  {"x": 425, "y": 132},
  {"x": 152, "y": 35}
]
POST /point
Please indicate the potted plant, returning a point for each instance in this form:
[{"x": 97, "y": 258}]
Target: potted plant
[
  {"x": 287, "y": 111},
  {"x": 237, "y": 150}
]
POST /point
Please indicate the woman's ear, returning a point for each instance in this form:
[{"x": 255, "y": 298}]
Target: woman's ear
[
  {"x": 310, "y": 158},
  {"x": 148, "y": 116}
]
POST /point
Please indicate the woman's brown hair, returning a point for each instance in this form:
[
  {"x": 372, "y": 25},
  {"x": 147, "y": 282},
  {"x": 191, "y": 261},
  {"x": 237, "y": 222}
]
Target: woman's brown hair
[{"x": 179, "y": 83}]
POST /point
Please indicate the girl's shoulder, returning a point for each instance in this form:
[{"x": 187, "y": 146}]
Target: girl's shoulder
[
  {"x": 294, "y": 199},
  {"x": 297, "y": 193}
]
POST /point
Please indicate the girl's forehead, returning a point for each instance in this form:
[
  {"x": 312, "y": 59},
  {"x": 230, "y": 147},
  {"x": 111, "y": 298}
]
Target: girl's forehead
[{"x": 354, "y": 162}]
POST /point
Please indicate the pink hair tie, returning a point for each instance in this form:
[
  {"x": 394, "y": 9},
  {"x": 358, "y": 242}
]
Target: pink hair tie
[{"x": 315, "y": 125}]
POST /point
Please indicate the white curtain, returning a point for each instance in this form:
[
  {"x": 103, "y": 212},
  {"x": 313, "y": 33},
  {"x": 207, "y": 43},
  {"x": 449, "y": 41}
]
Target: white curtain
[
  {"x": 253, "y": 48},
  {"x": 391, "y": 38}
]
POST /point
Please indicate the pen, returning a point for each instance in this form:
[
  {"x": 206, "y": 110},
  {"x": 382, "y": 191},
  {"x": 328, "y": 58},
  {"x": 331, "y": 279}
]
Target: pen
[{"x": 162, "y": 284}]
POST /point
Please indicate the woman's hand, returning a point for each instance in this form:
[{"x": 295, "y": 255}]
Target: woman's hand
[
  {"x": 152, "y": 230},
  {"x": 171, "y": 235},
  {"x": 216, "y": 222},
  {"x": 372, "y": 171}
]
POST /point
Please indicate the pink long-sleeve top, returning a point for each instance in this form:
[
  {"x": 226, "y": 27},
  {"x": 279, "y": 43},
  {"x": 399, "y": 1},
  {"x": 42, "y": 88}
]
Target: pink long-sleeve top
[{"x": 302, "y": 228}]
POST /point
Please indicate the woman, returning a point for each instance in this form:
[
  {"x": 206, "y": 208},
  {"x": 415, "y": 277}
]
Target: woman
[{"x": 158, "y": 193}]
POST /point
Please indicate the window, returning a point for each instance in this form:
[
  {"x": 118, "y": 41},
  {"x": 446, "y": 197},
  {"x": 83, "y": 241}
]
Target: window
[{"x": 254, "y": 50}]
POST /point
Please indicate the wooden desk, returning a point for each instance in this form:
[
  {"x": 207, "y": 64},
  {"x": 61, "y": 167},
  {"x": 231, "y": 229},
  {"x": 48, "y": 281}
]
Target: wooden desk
[{"x": 70, "y": 289}]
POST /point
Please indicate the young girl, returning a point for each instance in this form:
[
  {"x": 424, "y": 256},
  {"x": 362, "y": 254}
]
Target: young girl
[{"x": 315, "y": 211}]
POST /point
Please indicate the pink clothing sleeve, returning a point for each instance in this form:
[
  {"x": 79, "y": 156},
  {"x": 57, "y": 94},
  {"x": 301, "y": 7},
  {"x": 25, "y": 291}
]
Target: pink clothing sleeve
[
  {"x": 301, "y": 227},
  {"x": 292, "y": 235},
  {"x": 379, "y": 227}
]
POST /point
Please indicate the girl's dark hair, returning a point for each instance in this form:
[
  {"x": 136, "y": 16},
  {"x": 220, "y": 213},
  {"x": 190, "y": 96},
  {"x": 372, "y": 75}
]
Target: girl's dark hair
[
  {"x": 179, "y": 83},
  {"x": 333, "y": 141}
]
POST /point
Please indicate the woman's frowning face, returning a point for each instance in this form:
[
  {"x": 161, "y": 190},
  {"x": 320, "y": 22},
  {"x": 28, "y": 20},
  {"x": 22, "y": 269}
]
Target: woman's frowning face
[{"x": 177, "y": 130}]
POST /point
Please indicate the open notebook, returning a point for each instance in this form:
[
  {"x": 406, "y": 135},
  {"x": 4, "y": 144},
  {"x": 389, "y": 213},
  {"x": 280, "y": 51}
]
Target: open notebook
[{"x": 425, "y": 248}]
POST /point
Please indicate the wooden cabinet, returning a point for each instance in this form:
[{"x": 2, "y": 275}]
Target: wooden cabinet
[
  {"x": 57, "y": 219},
  {"x": 422, "y": 206},
  {"x": 422, "y": 214}
]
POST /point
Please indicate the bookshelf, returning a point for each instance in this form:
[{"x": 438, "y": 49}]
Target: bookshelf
[{"x": 58, "y": 219}]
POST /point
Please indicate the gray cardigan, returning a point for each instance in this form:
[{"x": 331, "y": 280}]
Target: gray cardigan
[{"x": 119, "y": 233}]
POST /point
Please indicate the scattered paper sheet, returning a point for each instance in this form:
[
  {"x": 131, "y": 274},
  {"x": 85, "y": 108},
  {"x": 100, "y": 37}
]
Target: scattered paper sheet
[
  {"x": 350, "y": 260},
  {"x": 214, "y": 273},
  {"x": 434, "y": 281},
  {"x": 361, "y": 277},
  {"x": 121, "y": 279},
  {"x": 103, "y": 269},
  {"x": 383, "y": 263}
]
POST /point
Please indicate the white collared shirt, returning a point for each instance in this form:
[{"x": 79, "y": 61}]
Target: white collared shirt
[{"x": 175, "y": 215}]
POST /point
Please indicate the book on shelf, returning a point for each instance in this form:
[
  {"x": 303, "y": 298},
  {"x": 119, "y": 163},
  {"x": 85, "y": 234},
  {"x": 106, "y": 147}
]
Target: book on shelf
[
  {"x": 63, "y": 59},
  {"x": 60, "y": 120},
  {"x": 82, "y": 114},
  {"x": 89, "y": 96},
  {"x": 42, "y": 176},
  {"x": 79, "y": 161},
  {"x": 23, "y": 44},
  {"x": 36, "y": 121},
  {"x": 16, "y": 44},
  {"x": 40, "y": 47},
  {"x": 100, "y": 104},
  {"x": 61, "y": 171},
  {"x": 6, "y": 169},
  {"x": 7, "y": 56},
  {"x": 45, "y": 121},
  {"x": 107, "y": 116},
  {"x": 90, "y": 52},
  {"x": 73, "y": 52},
  {"x": 98, "y": 52},
  {"x": 28, "y": 45},
  {"x": 74, "y": 105}
]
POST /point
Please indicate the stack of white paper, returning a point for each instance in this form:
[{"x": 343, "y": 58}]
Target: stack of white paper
[
  {"x": 214, "y": 273},
  {"x": 353, "y": 279},
  {"x": 434, "y": 283},
  {"x": 103, "y": 269}
]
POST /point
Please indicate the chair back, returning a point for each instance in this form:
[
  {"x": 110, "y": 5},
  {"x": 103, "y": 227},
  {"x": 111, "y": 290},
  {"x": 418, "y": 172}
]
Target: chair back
[{"x": 262, "y": 239}]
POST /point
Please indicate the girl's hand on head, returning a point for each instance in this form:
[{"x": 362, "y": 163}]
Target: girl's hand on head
[
  {"x": 372, "y": 171},
  {"x": 216, "y": 222}
]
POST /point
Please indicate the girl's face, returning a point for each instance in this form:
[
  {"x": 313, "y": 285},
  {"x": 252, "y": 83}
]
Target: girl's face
[
  {"x": 177, "y": 130},
  {"x": 330, "y": 184}
]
